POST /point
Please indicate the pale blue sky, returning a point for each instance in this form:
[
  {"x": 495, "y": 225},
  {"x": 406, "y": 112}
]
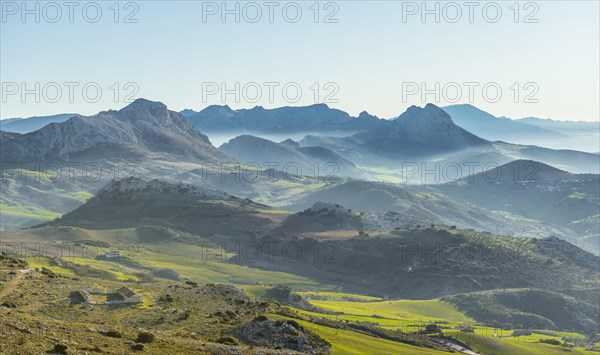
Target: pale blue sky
[{"x": 369, "y": 53}]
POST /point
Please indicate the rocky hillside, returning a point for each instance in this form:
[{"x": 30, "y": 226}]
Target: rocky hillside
[
  {"x": 132, "y": 202},
  {"x": 142, "y": 129}
]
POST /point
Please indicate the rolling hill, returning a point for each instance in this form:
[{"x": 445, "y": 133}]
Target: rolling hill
[
  {"x": 357, "y": 263},
  {"x": 132, "y": 202},
  {"x": 536, "y": 191},
  {"x": 288, "y": 155},
  {"x": 414, "y": 205}
]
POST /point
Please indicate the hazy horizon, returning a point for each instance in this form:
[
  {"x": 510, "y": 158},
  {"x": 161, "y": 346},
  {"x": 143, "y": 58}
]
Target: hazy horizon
[{"x": 332, "y": 106}]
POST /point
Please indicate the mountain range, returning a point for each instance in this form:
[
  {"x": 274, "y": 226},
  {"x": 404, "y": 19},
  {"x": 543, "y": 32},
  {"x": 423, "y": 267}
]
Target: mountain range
[
  {"x": 314, "y": 118},
  {"x": 514, "y": 242},
  {"x": 163, "y": 143},
  {"x": 146, "y": 128},
  {"x": 320, "y": 119},
  {"x": 423, "y": 135}
]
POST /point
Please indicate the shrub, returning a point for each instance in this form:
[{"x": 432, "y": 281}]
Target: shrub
[
  {"x": 260, "y": 319},
  {"x": 228, "y": 340},
  {"x": 432, "y": 328},
  {"x": 145, "y": 337},
  {"x": 138, "y": 347},
  {"x": 60, "y": 348},
  {"x": 550, "y": 341},
  {"x": 166, "y": 298}
]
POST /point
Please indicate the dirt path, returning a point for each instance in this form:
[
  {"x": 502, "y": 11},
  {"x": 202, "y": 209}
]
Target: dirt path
[{"x": 10, "y": 286}]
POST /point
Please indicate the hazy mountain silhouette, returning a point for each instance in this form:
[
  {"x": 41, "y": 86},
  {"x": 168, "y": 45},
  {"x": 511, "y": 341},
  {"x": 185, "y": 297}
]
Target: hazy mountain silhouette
[
  {"x": 531, "y": 131},
  {"x": 250, "y": 149},
  {"x": 26, "y": 125},
  {"x": 313, "y": 118}
]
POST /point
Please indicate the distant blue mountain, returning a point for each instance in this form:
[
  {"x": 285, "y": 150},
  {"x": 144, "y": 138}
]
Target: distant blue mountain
[
  {"x": 26, "y": 125},
  {"x": 9, "y": 120},
  {"x": 250, "y": 149},
  {"x": 313, "y": 118},
  {"x": 495, "y": 128},
  {"x": 421, "y": 132},
  {"x": 562, "y": 126},
  {"x": 548, "y": 133}
]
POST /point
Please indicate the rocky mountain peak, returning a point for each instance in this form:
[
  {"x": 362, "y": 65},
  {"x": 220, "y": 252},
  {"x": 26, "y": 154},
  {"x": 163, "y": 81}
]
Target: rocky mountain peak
[
  {"x": 149, "y": 115},
  {"x": 223, "y": 110},
  {"x": 364, "y": 115},
  {"x": 144, "y": 104},
  {"x": 290, "y": 142},
  {"x": 428, "y": 115},
  {"x": 142, "y": 109}
]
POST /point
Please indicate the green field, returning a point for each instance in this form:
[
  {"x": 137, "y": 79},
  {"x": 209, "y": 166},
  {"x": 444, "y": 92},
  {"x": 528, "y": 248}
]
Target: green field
[
  {"x": 401, "y": 311},
  {"x": 484, "y": 341},
  {"x": 348, "y": 342},
  {"x": 412, "y": 315},
  {"x": 337, "y": 296},
  {"x": 15, "y": 208}
]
